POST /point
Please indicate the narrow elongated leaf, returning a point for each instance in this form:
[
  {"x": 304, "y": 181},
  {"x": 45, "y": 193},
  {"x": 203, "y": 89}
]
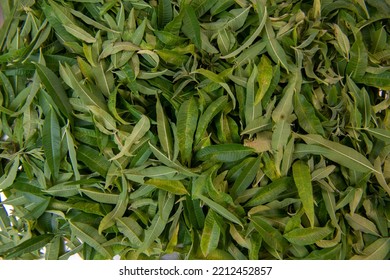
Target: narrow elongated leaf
[
  {"x": 220, "y": 210},
  {"x": 210, "y": 234},
  {"x": 53, "y": 86},
  {"x": 165, "y": 160},
  {"x": 131, "y": 229},
  {"x": 306, "y": 115},
  {"x": 102, "y": 197},
  {"x": 117, "y": 212},
  {"x": 380, "y": 133},
  {"x": 175, "y": 187},
  {"x": 211, "y": 111},
  {"x": 191, "y": 27},
  {"x": 263, "y": 15},
  {"x": 380, "y": 81},
  {"x": 274, "y": 48},
  {"x": 378, "y": 250},
  {"x": 341, "y": 154},
  {"x": 187, "y": 119},
  {"x": 302, "y": 179},
  {"x": 91, "y": 236},
  {"x": 270, "y": 235},
  {"x": 79, "y": 33},
  {"x": 8, "y": 178},
  {"x": 139, "y": 130},
  {"x": 358, "y": 58},
  {"x": 51, "y": 141},
  {"x": 164, "y": 130},
  {"x": 362, "y": 224},
  {"x": 158, "y": 224},
  {"x": 93, "y": 159},
  {"x": 271, "y": 191},
  {"x": 246, "y": 177},
  {"x": 31, "y": 245},
  {"x": 224, "y": 152},
  {"x": 88, "y": 97},
  {"x": 307, "y": 236}
]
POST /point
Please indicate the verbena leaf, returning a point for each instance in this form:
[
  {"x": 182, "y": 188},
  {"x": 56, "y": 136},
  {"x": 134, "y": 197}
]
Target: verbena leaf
[
  {"x": 302, "y": 179},
  {"x": 51, "y": 142}
]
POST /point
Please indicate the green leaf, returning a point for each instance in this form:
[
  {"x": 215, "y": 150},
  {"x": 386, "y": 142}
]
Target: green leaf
[
  {"x": 271, "y": 191},
  {"x": 187, "y": 119},
  {"x": 220, "y": 210},
  {"x": 91, "y": 236},
  {"x": 101, "y": 197},
  {"x": 33, "y": 244},
  {"x": 54, "y": 87},
  {"x": 224, "y": 152},
  {"x": 358, "y": 61},
  {"x": 378, "y": 250},
  {"x": 131, "y": 229},
  {"x": 164, "y": 130},
  {"x": 270, "y": 235},
  {"x": 191, "y": 27},
  {"x": 380, "y": 81},
  {"x": 210, "y": 234},
  {"x": 79, "y": 33},
  {"x": 307, "y": 236},
  {"x": 302, "y": 179},
  {"x": 211, "y": 111},
  {"x": 263, "y": 15},
  {"x": 93, "y": 159},
  {"x": 158, "y": 223},
  {"x": 306, "y": 115},
  {"x": 380, "y": 133},
  {"x": 139, "y": 130},
  {"x": 51, "y": 141},
  {"x": 358, "y": 222},
  {"x": 117, "y": 212},
  {"x": 174, "y": 187},
  {"x": 339, "y": 153},
  {"x": 274, "y": 48},
  {"x": 83, "y": 92}
]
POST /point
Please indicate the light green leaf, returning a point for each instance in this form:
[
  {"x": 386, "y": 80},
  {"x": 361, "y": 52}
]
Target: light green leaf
[
  {"x": 139, "y": 130},
  {"x": 358, "y": 222},
  {"x": 302, "y": 179},
  {"x": 339, "y": 153},
  {"x": 307, "y": 236},
  {"x": 378, "y": 250},
  {"x": 175, "y": 187},
  {"x": 91, "y": 236},
  {"x": 191, "y": 27},
  {"x": 117, "y": 212},
  {"x": 79, "y": 33},
  {"x": 51, "y": 141},
  {"x": 187, "y": 119},
  {"x": 274, "y": 48},
  {"x": 54, "y": 88},
  {"x": 164, "y": 130},
  {"x": 220, "y": 210},
  {"x": 33, "y": 244},
  {"x": 93, "y": 159},
  {"x": 271, "y": 191},
  {"x": 131, "y": 229},
  {"x": 224, "y": 152},
  {"x": 270, "y": 235},
  {"x": 306, "y": 115},
  {"x": 246, "y": 177},
  {"x": 210, "y": 234},
  {"x": 158, "y": 223}
]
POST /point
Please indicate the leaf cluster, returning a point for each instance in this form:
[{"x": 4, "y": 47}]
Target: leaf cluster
[{"x": 198, "y": 129}]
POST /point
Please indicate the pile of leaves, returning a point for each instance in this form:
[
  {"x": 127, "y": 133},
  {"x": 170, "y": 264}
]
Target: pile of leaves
[{"x": 203, "y": 129}]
